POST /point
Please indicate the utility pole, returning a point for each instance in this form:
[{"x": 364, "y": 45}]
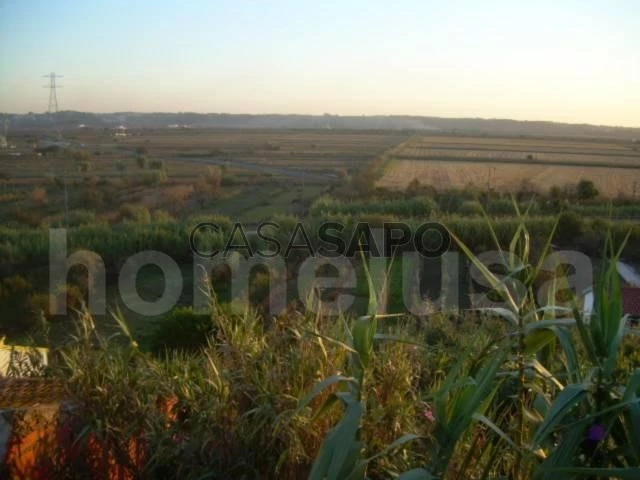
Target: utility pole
[{"x": 53, "y": 99}]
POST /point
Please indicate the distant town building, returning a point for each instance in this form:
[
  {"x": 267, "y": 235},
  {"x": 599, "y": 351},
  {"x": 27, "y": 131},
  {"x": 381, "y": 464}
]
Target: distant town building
[
  {"x": 3, "y": 142},
  {"x": 121, "y": 131}
]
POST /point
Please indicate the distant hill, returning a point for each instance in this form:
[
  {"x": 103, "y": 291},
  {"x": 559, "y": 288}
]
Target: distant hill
[{"x": 476, "y": 126}]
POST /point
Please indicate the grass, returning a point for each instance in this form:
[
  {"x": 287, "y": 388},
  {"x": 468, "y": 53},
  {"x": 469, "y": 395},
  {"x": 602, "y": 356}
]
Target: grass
[
  {"x": 514, "y": 392},
  {"x": 533, "y": 394}
]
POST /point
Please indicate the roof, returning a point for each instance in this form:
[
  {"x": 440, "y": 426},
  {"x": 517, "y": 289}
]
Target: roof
[
  {"x": 631, "y": 301},
  {"x": 30, "y": 392}
]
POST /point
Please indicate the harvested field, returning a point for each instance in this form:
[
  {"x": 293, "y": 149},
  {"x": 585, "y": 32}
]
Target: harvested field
[
  {"x": 504, "y": 163},
  {"x": 611, "y": 182}
]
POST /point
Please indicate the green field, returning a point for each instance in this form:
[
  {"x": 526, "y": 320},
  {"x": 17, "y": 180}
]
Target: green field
[{"x": 450, "y": 389}]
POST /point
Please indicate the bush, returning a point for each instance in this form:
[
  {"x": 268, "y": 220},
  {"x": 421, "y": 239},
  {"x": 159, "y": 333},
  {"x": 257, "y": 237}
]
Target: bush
[
  {"x": 586, "y": 190},
  {"x": 92, "y": 198},
  {"x": 470, "y": 208},
  {"x": 154, "y": 178},
  {"x": 182, "y": 329},
  {"x": 15, "y": 317},
  {"x": 135, "y": 213},
  {"x": 80, "y": 156},
  {"x": 156, "y": 165},
  {"x": 142, "y": 161},
  {"x": 160, "y": 216},
  {"x": 84, "y": 166},
  {"x": 31, "y": 217},
  {"x": 39, "y": 195},
  {"x": 75, "y": 218},
  {"x": 570, "y": 228}
]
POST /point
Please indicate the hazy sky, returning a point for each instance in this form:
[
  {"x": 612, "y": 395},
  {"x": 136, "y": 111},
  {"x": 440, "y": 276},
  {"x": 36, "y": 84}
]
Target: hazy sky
[{"x": 576, "y": 61}]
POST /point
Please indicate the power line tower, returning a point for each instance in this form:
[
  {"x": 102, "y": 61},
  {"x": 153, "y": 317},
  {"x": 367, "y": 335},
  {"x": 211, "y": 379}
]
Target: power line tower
[{"x": 53, "y": 97}]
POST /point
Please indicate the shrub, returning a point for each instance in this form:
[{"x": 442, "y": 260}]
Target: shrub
[
  {"x": 135, "y": 213},
  {"x": 142, "y": 161},
  {"x": 160, "y": 216},
  {"x": 176, "y": 195},
  {"x": 77, "y": 218},
  {"x": 570, "y": 228},
  {"x": 92, "y": 198},
  {"x": 80, "y": 156},
  {"x": 31, "y": 217},
  {"x": 156, "y": 165},
  {"x": 181, "y": 329},
  {"x": 15, "y": 316},
  {"x": 470, "y": 208},
  {"x": 120, "y": 166},
  {"x": 214, "y": 176},
  {"x": 39, "y": 195},
  {"x": 154, "y": 178},
  {"x": 84, "y": 166},
  {"x": 586, "y": 190},
  {"x": 208, "y": 188}
]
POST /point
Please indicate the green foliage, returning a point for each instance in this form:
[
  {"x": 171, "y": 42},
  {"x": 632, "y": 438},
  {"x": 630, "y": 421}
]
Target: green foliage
[
  {"x": 16, "y": 316},
  {"x": 308, "y": 396},
  {"x": 182, "y": 329},
  {"x": 586, "y": 190},
  {"x": 142, "y": 161},
  {"x": 154, "y": 178},
  {"x": 470, "y": 208},
  {"x": 156, "y": 165},
  {"x": 84, "y": 166},
  {"x": 411, "y": 207},
  {"x": 570, "y": 228},
  {"x": 135, "y": 213}
]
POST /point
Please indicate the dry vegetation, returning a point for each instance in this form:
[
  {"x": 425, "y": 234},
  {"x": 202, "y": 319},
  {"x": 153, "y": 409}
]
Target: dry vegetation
[{"x": 504, "y": 164}]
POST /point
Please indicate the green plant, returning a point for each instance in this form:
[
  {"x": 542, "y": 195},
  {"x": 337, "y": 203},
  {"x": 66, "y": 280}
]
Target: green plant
[
  {"x": 586, "y": 190},
  {"x": 142, "y": 161},
  {"x": 181, "y": 329},
  {"x": 135, "y": 213},
  {"x": 156, "y": 165}
]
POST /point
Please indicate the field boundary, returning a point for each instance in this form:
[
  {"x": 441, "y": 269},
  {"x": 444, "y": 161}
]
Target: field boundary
[{"x": 521, "y": 161}]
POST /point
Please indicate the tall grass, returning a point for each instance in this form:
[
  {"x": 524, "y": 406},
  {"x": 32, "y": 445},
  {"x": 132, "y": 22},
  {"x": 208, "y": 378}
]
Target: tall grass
[
  {"x": 552, "y": 398},
  {"x": 539, "y": 391}
]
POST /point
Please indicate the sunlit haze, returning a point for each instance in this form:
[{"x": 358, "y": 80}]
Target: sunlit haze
[{"x": 546, "y": 60}]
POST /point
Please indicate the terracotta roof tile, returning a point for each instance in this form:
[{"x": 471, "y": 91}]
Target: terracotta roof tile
[{"x": 28, "y": 392}]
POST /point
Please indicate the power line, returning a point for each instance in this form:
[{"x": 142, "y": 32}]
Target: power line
[{"x": 53, "y": 97}]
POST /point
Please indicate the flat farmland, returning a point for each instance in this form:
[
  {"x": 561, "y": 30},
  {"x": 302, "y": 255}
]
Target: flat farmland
[
  {"x": 503, "y": 164},
  {"x": 309, "y": 150},
  {"x": 263, "y": 173}
]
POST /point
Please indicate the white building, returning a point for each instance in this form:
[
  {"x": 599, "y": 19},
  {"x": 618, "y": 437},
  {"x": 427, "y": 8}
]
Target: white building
[{"x": 121, "y": 131}]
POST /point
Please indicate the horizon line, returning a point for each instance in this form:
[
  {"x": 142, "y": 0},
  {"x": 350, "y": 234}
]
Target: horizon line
[{"x": 499, "y": 119}]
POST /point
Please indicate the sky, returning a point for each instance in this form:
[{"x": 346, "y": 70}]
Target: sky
[{"x": 569, "y": 61}]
